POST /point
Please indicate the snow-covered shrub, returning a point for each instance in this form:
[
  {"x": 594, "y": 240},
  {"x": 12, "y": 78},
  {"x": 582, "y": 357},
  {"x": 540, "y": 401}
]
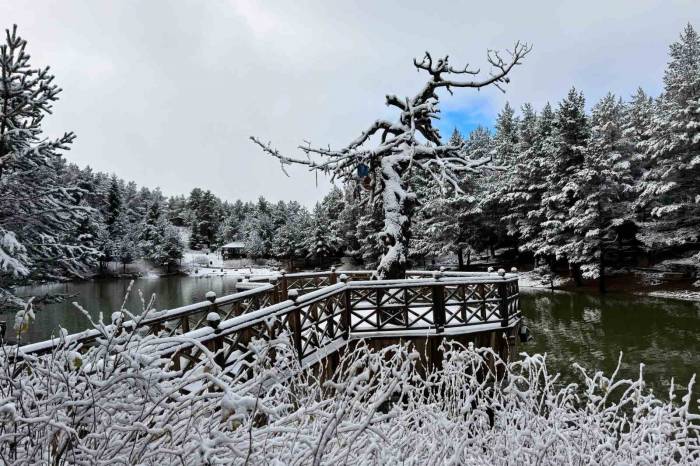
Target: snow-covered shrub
[{"x": 116, "y": 404}]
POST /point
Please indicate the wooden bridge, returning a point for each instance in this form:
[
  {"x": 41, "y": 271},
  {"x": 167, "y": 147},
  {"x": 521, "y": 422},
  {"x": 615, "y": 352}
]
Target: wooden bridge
[{"x": 322, "y": 313}]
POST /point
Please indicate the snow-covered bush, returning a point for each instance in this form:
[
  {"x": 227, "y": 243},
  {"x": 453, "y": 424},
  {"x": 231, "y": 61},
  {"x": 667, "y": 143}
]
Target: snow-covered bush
[{"x": 115, "y": 404}]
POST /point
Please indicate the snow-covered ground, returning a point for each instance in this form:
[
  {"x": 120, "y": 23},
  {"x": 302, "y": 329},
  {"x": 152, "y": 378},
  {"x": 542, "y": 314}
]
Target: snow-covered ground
[
  {"x": 223, "y": 272},
  {"x": 535, "y": 280},
  {"x": 685, "y": 295},
  {"x": 203, "y": 264}
]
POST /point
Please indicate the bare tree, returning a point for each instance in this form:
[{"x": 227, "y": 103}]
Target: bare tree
[{"x": 411, "y": 142}]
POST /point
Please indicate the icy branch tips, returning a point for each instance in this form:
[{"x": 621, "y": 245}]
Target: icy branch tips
[{"x": 410, "y": 143}]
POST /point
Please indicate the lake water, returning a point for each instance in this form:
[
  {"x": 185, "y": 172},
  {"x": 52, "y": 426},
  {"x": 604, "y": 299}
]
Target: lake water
[{"x": 570, "y": 327}]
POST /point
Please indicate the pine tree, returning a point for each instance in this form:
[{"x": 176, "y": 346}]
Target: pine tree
[
  {"x": 517, "y": 196},
  {"x": 290, "y": 238},
  {"x": 602, "y": 202},
  {"x": 168, "y": 251},
  {"x": 114, "y": 207},
  {"x": 571, "y": 134},
  {"x": 259, "y": 229},
  {"x": 535, "y": 165},
  {"x": 193, "y": 207},
  {"x": 37, "y": 215},
  {"x": 670, "y": 191}
]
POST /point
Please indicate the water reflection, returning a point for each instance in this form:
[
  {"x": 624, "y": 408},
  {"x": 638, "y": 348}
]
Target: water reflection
[
  {"x": 592, "y": 330},
  {"x": 107, "y": 296}
]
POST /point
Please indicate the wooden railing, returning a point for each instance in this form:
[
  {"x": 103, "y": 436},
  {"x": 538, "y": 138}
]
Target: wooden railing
[{"x": 333, "y": 309}]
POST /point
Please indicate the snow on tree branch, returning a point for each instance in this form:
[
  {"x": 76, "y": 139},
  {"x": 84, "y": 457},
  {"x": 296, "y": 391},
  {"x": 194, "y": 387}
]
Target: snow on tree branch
[{"x": 410, "y": 143}]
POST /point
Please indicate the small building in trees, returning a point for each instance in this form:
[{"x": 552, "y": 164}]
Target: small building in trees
[{"x": 233, "y": 250}]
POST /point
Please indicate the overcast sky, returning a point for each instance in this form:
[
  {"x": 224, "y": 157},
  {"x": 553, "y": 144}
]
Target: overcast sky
[{"x": 166, "y": 93}]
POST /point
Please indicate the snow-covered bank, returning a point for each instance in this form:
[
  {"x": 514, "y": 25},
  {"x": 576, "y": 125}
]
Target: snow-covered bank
[
  {"x": 535, "y": 280},
  {"x": 685, "y": 295},
  {"x": 224, "y": 272}
]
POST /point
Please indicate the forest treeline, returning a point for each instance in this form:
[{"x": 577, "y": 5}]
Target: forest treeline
[
  {"x": 578, "y": 190},
  {"x": 571, "y": 190}
]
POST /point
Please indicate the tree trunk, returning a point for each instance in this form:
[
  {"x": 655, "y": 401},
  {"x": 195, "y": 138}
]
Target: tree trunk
[
  {"x": 460, "y": 259},
  {"x": 576, "y": 274},
  {"x": 601, "y": 279},
  {"x": 398, "y": 207}
]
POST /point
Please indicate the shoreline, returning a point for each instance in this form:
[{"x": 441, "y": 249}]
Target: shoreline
[{"x": 623, "y": 284}]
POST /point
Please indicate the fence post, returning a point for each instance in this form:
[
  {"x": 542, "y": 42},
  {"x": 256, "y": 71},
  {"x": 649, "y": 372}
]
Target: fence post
[
  {"x": 438, "y": 297},
  {"x": 213, "y": 320},
  {"x": 333, "y": 278},
  {"x": 274, "y": 296},
  {"x": 295, "y": 324},
  {"x": 347, "y": 306},
  {"x": 503, "y": 299},
  {"x": 283, "y": 285}
]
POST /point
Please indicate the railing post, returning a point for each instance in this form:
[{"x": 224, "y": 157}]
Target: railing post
[
  {"x": 295, "y": 324},
  {"x": 283, "y": 285},
  {"x": 347, "y": 307},
  {"x": 274, "y": 296},
  {"x": 333, "y": 278},
  {"x": 482, "y": 305},
  {"x": 213, "y": 320},
  {"x": 438, "y": 297},
  {"x": 503, "y": 299}
]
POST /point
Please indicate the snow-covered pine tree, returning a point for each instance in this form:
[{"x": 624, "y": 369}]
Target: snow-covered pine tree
[
  {"x": 444, "y": 224},
  {"x": 259, "y": 229},
  {"x": 322, "y": 243},
  {"x": 496, "y": 184},
  {"x": 168, "y": 250},
  {"x": 177, "y": 206},
  {"x": 637, "y": 128},
  {"x": 601, "y": 211},
  {"x": 113, "y": 208},
  {"x": 37, "y": 215},
  {"x": 150, "y": 234},
  {"x": 367, "y": 232},
  {"x": 290, "y": 238},
  {"x": 535, "y": 166},
  {"x": 670, "y": 190},
  {"x": 207, "y": 219},
  {"x": 124, "y": 240},
  {"x": 516, "y": 196},
  {"x": 571, "y": 135},
  {"x": 231, "y": 227},
  {"x": 409, "y": 143},
  {"x": 193, "y": 206}
]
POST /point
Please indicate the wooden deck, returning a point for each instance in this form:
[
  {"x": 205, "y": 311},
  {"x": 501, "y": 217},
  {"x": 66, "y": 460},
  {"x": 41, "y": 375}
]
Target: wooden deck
[{"x": 321, "y": 313}]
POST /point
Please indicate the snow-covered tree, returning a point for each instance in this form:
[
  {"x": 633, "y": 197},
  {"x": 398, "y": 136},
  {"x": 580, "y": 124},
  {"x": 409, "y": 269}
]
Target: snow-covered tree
[
  {"x": 410, "y": 143},
  {"x": 570, "y": 137},
  {"x": 290, "y": 238},
  {"x": 204, "y": 218},
  {"x": 534, "y": 165},
  {"x": 602, "y": 201},
  {"x": 444, "y": 224},
  {"x": 322, "y": 241},
  {"x": 259, "y": 229},
  {"x": 515, "y": 194},
  {"x": 37, "y": 215},
  {"x": 670, "y": 190}
]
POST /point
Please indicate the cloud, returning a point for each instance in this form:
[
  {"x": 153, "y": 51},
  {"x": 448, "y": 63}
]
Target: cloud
[{"x": 167, "y": 93}]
